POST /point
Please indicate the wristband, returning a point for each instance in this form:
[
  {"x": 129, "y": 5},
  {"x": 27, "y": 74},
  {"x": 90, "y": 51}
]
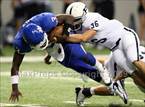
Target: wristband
[{"x": 15, "y": 79}]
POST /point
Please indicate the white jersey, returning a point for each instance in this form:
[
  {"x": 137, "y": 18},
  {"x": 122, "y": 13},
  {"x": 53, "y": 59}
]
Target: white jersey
[
  {"x": 109, "y": 32},
  {"x": 113, "y": 35}
]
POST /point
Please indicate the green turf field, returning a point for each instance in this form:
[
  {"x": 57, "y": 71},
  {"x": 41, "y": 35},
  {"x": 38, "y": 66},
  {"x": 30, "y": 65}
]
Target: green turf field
[{"x": 41, "y": 85}]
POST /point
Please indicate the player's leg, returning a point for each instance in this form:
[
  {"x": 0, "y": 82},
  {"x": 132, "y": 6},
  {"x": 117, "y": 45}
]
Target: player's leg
[
  {"x": 84, "y": 68},
  {"x": 113, "y": 85},
  {"x": 78, "y": 59},
  {"x": 141, "y": 66},
  {"x": 101, "y": 90},
  {"x": 98, "y": 90},
  {"x": 123, "y": 63},
  {"x": 104, "y": 73},
  {"x": 91, "y": 60},
  {"x": 73, "y": 59},
  {"x": 83, "y": 93},
  {"x": 88, "y": 58},
  {"x": 88, "y": 70},
  {"x": 131, "y": 50},
  {"x": 91, "y": 72},
  {"x": 81, "y": 67},
  {"x": 137, "y": 62},
  {"x": 138, "y": 81}
]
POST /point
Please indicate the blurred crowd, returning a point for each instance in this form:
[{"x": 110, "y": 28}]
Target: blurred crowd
[{"x": 25, "y": 9}]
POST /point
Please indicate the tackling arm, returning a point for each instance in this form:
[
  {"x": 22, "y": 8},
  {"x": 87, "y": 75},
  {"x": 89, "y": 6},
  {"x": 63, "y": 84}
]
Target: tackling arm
[{"x": 76, "y": 38}]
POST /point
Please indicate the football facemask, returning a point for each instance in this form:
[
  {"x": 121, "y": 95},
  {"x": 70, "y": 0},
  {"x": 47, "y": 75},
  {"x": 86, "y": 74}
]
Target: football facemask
[{"x": 43, "y": 44}]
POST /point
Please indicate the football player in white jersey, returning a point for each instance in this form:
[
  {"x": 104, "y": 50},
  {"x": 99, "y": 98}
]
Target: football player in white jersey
[
  {"x": 116, "y": 73},
  {"x": 96, "y": 29},
  {"x": 112, "y": 34}
]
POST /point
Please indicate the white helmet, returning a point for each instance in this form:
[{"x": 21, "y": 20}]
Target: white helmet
[{"x": 78, "y": 10}]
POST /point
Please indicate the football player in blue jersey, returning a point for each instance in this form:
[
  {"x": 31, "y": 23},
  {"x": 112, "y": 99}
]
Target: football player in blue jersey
[{"x": 33, "y": 34}]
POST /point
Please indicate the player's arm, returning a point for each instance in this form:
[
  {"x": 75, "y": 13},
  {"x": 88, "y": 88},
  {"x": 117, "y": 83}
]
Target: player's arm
[
  {"x": 76, "y": 38},
  {"x": 17, "y": 60}
]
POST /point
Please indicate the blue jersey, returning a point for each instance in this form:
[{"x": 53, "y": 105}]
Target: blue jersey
[{"x": 35, "y": 26}]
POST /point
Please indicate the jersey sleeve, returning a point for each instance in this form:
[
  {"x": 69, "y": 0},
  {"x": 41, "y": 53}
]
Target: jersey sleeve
[
  {"x": 21, "y": 47},
  {"x": 49, "y": 22}
]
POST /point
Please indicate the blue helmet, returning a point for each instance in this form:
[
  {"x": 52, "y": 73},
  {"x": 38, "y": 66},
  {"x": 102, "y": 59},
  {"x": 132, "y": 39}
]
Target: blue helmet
[{"x": 34, "y": 36}]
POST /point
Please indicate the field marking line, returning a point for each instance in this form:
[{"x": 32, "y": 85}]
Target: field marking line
[
  {"x": 73, "y": 102},
  {"x": 136, "y": 100},
  {"x": 21, "y": 105}
]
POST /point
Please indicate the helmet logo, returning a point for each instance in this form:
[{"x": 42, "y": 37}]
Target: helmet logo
[
  {"x": 37, "y": 30},
  {"x": 85, "y": 9},
  {"x": 53, "y": 19}
]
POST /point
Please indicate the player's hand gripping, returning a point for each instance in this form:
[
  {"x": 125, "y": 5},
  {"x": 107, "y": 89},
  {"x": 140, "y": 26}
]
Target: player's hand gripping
[{"x": 47, "y": 59}]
